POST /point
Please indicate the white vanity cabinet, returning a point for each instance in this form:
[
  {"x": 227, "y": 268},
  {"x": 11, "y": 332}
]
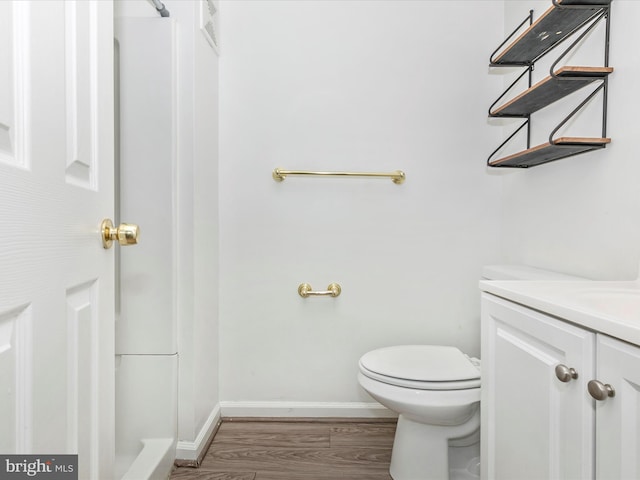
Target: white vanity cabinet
[{"x": 539, "y": 420}]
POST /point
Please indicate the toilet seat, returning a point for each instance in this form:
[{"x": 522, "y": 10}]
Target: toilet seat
[{"x": 423, "y": 367}]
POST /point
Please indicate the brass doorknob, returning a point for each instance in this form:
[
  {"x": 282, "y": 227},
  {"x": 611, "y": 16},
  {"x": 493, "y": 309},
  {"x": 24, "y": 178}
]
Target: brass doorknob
[{"x": 125, "y": 233}]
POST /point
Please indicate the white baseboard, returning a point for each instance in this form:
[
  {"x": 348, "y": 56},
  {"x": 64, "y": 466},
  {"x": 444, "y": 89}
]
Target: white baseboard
[
  {"x": 305, "y": 409},
  {"x": 192, "y": 451}
]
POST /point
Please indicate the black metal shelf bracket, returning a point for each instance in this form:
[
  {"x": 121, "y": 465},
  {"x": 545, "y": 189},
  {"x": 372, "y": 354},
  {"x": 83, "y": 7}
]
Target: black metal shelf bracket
[
  {"x": 526, "y": 123},
  {"x": 580, "y": 37},
  {"x": 528, "y": 18},
  {"x": 529, "y": 70},
  {"x": 576, "y": 110}
]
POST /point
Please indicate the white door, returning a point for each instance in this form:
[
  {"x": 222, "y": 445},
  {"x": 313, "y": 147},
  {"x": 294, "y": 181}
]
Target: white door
[
  {"x": 618, "y": 417},
  {"x": 534, "y": 426},
  {"x": 56, "y": 186}
]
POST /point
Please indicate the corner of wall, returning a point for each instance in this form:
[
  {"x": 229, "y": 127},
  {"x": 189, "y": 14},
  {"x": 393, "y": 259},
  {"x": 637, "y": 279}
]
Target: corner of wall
[{"x": 190, "y": 453}]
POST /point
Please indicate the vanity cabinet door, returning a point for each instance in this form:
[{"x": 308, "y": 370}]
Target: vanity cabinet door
[
  {"x": 534, "y": 426},
  {"x": 618, "y": 417}
]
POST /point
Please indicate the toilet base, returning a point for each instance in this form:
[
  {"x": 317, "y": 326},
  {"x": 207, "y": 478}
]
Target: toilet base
[{"x": 421, "y": 451}]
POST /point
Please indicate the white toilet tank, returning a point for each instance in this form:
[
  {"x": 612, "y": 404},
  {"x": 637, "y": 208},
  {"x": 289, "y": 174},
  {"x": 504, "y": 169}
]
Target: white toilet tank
[{"x": 522, "y": 272}]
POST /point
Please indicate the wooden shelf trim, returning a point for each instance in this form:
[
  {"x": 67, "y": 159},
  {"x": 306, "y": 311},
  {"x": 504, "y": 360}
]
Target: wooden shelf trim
[
  {"x": 548, "y": 152},
  {"x": 551, "y": 28},
  {"x": 550, "y": 90}
]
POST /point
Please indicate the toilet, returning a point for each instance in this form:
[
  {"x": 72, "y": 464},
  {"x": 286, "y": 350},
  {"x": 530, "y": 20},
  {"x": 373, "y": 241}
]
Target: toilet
[{"x": 435, "y": 390}]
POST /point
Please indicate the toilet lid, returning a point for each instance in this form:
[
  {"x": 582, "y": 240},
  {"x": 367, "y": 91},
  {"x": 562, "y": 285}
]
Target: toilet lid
[{"x": 421, "y": 363}]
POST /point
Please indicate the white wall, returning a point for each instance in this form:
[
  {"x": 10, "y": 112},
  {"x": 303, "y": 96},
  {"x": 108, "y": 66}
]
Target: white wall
[
  {"x": 360, "y": 86},
  {"x": 197, "y": 220},
  {"x": 582, "y": 215}
]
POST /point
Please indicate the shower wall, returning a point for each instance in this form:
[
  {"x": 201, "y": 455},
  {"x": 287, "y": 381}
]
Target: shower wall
[
  {"x": 187, "y": 206},
  {"x": 359, "y": 86},
  {"x": 146, "y": 347}
]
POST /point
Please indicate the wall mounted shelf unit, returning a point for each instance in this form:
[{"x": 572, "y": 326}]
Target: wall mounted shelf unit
[{"x": 559, "y": 22}]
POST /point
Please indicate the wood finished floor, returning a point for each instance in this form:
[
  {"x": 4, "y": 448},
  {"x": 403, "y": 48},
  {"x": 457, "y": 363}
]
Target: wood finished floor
[{"x": 275, "y": 450}]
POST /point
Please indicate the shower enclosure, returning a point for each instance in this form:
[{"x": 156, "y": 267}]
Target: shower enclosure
[{"x": 146, "y": 312}]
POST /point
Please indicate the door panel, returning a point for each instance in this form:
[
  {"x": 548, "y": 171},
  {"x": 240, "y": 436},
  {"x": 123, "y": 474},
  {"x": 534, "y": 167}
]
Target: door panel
[
  {"x": 56, "y": 186},
  {"x": 82, "y": 371},
  {"x": 14, "y": 377},
  {"x": 13, "y": 56},
  {"x": 80, "y": 109}
]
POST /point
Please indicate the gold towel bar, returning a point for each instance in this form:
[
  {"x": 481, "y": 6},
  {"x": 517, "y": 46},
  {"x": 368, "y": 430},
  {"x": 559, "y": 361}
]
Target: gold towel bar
[{"x": 397, "y": 177}]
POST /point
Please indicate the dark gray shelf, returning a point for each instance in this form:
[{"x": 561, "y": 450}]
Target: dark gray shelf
[
  {"x": 564, "y": 82},
  {"x": 548, "y": 152},
  {"x": 551, "y": 28}
]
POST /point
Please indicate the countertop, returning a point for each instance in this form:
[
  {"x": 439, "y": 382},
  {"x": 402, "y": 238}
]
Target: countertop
[{"x": 612, "y": 308}]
